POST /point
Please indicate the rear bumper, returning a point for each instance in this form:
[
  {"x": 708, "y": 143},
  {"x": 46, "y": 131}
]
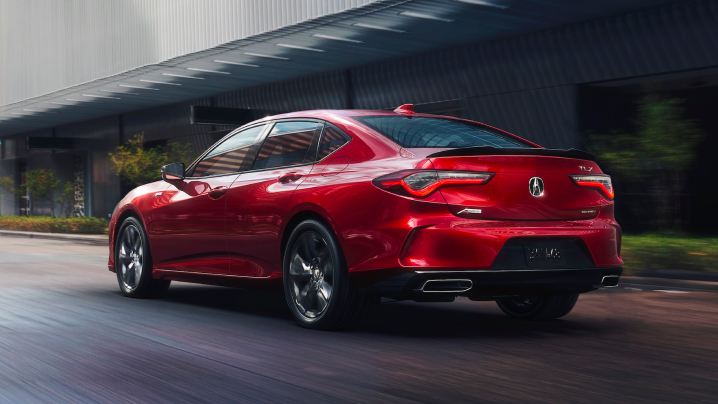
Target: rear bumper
[
  {"x": 491, "y": 284},
  {"x": 404, "y": 236}
]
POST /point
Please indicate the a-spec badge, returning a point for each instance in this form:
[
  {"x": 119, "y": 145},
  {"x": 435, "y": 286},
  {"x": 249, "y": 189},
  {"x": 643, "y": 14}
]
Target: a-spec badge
[
  {"x": 470, "y": 211},
  {"x": 536, "y": 186}
]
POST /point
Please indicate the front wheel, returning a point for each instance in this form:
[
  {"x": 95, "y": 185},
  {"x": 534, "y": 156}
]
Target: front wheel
[
  {"x": 316, "y": 283},
  {"x": 133, "y": 262},
  {"x": 538, "y": 308}
]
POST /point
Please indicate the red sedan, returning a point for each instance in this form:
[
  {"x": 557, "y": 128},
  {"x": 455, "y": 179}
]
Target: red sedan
[{"x": 345, "y": 208}]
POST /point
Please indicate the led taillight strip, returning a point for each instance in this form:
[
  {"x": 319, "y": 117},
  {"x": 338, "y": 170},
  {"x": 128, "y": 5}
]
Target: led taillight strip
[
  {"x": 396, "y": 182},
  {"x": 598, "y": 183},
  {"x": 443, "y": 183}
]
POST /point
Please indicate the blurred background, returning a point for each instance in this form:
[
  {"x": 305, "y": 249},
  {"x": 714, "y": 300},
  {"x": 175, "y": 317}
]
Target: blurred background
[{"x": 95, "y": 96}]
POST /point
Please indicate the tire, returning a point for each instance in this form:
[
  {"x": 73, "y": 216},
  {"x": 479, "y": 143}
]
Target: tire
[
  {"x": 316, "y": 282},
  {"x": 133, "y": 262},
  {"x": 548, "y": 307}
]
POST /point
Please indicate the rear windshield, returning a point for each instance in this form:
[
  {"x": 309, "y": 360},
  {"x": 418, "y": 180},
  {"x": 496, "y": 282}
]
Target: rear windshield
[{"x": 417, "y": 131}]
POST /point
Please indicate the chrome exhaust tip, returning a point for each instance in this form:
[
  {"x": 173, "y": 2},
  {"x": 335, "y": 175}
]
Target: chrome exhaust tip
[
  {"x": 445, "y": 286},
  {"x": 609, "y": 281}
]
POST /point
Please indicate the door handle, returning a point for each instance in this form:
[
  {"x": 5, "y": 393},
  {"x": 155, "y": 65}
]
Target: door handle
[
  {"x": 217, "y": 192},
  {"x": 289, "y": 177}
]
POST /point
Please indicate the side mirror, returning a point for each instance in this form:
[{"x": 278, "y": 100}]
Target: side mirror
[{"x": 173, "y": 172}]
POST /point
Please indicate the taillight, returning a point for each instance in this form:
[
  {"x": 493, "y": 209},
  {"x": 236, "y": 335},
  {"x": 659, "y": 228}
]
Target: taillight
[
  {"x": 420, "y": 183},
  {"x": 602, "y": 183}
]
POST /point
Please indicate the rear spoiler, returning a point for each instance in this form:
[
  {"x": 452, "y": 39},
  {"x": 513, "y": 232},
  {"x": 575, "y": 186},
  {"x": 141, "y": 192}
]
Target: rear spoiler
[{"x": 513, "y": 151}]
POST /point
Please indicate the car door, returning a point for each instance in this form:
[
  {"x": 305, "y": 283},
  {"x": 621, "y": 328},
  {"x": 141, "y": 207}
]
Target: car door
[
  {"x": 191, "y": 223},
  {"x": 257, "y": 201}
]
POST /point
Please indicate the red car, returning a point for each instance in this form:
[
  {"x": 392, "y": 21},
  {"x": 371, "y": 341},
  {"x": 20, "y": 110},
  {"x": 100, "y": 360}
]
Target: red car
[{"x": 345, "y": 208}]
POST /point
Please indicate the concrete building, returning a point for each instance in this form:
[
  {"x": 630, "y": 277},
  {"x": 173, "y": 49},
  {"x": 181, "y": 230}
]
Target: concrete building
[{"x": 79, "y": 77}]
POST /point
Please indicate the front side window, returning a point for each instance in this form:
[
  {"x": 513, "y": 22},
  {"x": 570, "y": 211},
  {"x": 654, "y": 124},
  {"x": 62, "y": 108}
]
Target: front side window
[
  {"x": 230, "y": 155},
  {"x": 288, "y": 144},
  {"x": 418, "y": 131}
]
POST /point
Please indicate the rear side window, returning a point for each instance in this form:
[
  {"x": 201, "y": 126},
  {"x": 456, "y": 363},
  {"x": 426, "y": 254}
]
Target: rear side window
[
  {"x": 332, "y": 139},
  {"x": 230, "y": 155},
  {"x": 288, "y": 144},
  {"x": 421, "y": 131}
]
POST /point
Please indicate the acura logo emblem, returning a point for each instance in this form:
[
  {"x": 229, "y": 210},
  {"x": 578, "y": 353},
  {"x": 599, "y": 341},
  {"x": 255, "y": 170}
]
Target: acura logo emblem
[{"x": 536, "y": 186}]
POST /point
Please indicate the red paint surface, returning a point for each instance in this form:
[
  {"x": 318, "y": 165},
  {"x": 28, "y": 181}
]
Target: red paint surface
[{"x": 239, "y": 235}]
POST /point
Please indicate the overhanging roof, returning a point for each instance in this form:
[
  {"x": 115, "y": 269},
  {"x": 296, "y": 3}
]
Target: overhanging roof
[{"x": 382, "y": 30}]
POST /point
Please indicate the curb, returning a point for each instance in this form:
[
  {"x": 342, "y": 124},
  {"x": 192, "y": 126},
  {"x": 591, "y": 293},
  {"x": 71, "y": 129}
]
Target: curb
[
  {"x": 683, "y": 284},
  {"x": 680, "y": 274},
  {"x": 92, "y": 239}
]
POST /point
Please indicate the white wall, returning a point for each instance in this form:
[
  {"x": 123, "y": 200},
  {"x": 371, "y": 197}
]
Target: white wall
[{"x": 46, "y": 45}]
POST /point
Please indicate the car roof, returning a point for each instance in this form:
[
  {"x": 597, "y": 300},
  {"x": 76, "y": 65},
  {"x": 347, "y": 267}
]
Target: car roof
[
  {"x": 328, "y": 114},
  {"x": 324, "y": 113}
]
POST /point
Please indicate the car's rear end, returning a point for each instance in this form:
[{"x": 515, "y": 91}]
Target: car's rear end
[{"x": 482, "y": 213}]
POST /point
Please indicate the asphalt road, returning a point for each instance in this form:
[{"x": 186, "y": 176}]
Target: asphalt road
[{"x": 67, "y": 335}]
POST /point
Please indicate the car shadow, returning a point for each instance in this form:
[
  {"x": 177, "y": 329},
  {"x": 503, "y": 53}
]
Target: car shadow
[
  {"x": 246, "y": 301},
  {"x": 460, "y": 319},
  {"x": 466, "y": 319}
]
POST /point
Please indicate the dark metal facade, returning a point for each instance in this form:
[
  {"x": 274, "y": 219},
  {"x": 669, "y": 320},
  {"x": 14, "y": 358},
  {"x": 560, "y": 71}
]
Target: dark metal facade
[{"x": 526, "y": 84}]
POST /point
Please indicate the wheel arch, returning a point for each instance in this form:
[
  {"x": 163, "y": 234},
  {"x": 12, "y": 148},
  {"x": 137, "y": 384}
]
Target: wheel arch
[
  {"x": 128, "y": 211},
  {"x": 300, "y": 214}
]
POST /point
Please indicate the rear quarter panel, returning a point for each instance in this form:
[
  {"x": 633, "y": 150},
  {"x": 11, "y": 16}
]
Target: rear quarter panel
[{"x": 340, "y": 187}]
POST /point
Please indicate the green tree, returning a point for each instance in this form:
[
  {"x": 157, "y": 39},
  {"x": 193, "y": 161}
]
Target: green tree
[
  {"x": 138, "y": 165},
  {"x": 659, "y": 150},
  {"x": 67, "y": 198},
  {"x": 41, "y": 185},
  {"x": 8, "y": 184}
]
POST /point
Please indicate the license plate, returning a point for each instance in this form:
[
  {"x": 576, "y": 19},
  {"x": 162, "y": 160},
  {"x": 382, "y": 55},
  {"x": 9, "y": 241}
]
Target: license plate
[{"x": 545, "y": 254}]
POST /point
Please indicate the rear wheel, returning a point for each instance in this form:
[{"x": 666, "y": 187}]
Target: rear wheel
[
  {"x": 538, "y": 308},
  {"x": 316, "y": 283},
  {"x": 133, "y": 262}
]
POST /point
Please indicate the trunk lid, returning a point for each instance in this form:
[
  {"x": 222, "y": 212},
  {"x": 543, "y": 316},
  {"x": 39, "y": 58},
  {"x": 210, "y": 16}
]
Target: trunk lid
[{"x": 510, "y": 195}]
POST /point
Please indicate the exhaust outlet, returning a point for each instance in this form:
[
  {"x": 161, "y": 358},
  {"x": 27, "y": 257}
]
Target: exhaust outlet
[
  {"x": 609, "y": 281},
  {"x": 445, "y": 286}
]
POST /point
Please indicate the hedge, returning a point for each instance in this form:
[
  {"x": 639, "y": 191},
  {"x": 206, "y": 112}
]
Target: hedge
[
  {"x": 669, "y": 251},
  {"x": 46, "y": 224}
]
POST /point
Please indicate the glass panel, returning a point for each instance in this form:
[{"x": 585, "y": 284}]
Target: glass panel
[
  {"x": 287, "y": 145},
  {"x": 332, "y": 139},
  {"x": 420, "y": 131},
  {"x": 9, "y": 145},
  {"x": 229, "y": 156}
]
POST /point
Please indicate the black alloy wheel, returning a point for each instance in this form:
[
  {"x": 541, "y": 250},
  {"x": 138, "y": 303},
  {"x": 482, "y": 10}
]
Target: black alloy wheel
[
  {"x": 133, "y": 262},
  {"x": 316, "y": 283}
]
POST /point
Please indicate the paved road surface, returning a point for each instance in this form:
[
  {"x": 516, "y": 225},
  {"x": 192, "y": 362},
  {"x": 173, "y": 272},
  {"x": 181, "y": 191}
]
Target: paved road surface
[{"x": 68, "y": 336}]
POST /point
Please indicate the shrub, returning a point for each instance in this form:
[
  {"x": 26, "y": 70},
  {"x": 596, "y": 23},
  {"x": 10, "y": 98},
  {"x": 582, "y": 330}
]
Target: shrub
[
  {"x": 41, "y": 184},
  {"x": 657, "y": 152},
  {"x": 669, "y": 251},
  {"x": 138, "y": 165},
  {"x": 46, "y": 224}
]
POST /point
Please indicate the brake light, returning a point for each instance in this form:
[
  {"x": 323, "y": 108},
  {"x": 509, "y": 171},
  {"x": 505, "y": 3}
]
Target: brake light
[
  {"x": 602, "y": 183},
  {"x": 421, "y": 183}
]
